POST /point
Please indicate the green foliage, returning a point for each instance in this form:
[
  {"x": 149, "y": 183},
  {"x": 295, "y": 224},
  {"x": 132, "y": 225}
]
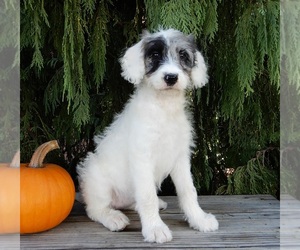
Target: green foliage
[
  {"x": 196, "y": 17},
  {"x": 72, "y": 85},
  {"x": 75, "y": 86},
  {"x": 153, "y": 10},
  {"x": 257, "y": 36},
  {"x": 98, "y": 41},
  {"x": 9, "y": 79},
  {"x": 290, "y": 68},
  {"x": 258, "y": 176},
  {"x": 289, "y": 99},
  {"x": 290, "y": 50},
  {"x": 37, "y": 20}
]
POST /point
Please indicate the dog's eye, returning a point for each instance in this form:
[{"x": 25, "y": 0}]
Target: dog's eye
[
  {"x": 183, "y": 55},
  {"x": 155, "y": 55}
]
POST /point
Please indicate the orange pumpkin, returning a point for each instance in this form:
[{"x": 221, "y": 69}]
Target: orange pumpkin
[
  {"x": 10, "y": 196},
  {"x": 47, "y": 193}
]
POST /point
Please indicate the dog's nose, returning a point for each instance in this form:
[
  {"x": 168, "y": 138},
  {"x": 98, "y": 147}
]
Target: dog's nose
[{"x": 171, "y": 79}]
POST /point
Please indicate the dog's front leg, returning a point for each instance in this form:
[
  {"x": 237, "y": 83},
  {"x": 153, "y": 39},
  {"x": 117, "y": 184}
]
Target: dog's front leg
[
  {"x": 147, "y": 204},
  {"x": 187, "y": 195}
]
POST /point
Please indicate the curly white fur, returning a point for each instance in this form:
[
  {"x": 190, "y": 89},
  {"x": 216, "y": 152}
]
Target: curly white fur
[{"x": 149, "y": 140}]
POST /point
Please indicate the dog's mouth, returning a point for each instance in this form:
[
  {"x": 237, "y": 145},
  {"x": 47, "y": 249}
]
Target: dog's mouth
[{"x": 170, "y": 89}]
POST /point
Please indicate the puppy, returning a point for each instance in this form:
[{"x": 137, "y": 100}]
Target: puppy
[{"x": 149, "y": 140}]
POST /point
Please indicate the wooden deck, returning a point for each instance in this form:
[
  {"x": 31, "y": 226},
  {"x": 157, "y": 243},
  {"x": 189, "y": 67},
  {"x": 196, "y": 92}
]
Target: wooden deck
[
  {"x": 249, "y": 222},
  {"x": 289, "y": 222}
]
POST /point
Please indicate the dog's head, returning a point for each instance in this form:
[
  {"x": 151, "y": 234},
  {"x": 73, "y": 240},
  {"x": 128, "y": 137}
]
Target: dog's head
[{"x": 167, "y": 59}]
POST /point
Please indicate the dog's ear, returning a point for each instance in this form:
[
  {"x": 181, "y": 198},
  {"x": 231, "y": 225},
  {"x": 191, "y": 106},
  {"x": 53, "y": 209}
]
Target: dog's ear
[
  {"x": 199, "y": 72},
  {"x": 132, "y": 64}
]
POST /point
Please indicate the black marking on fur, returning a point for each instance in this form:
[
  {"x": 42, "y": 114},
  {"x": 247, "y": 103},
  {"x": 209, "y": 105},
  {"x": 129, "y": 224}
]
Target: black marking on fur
[{"x": 155, "y": 54}]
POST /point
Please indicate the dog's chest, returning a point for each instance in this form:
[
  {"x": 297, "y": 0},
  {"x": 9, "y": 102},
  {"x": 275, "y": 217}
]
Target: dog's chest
[
  {"x": 173, "y": 140},
  {"x": 172, "y": 135},
  {"x": 159, "y": 130},
  {"x": 168, "y": 130}
]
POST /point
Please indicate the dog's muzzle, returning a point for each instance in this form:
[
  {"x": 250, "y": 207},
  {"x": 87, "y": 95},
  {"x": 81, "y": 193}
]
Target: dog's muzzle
[{"x": 171, "y": 79}]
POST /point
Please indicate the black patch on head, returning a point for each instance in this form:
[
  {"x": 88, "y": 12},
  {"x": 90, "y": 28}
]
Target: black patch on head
[
  {"x": 155, "y": 54},
  {"x": 185, "y": 48},
  {"x": 186, "y": 58}
]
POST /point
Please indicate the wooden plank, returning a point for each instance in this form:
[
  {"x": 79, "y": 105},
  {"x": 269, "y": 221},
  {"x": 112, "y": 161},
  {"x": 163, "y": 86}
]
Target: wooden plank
[
  {"x": 10, "y": 241},
  {"x": 250, "y": 222},
  {"x": 289, "y": 222}
]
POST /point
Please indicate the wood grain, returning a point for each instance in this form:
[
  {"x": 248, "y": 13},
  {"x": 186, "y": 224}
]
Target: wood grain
[{"x": 249, "y": 222}]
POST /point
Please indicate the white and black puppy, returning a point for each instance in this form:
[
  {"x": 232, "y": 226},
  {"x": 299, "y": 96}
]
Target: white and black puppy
[{"x": 149, "y": 140}]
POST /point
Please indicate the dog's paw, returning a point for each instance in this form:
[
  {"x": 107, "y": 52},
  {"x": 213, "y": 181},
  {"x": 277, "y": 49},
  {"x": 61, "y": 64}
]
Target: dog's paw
[
  {"x": 205, "y": 223},
  {"x": 158, "y": 233},
  {"x": 115, "y": 220},
  {"x": 162, "y": 204}
]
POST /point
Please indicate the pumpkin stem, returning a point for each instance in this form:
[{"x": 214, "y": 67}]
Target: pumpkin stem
[
  {"x": 41, "y": 152},
  {"x": 15, "y": 163}
]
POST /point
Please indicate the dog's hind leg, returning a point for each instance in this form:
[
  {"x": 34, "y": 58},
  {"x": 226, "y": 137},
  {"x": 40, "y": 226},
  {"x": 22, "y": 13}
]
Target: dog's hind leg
[
  {"x": 162, "y": 204},
  {"x": 112, "y": 219},
  {"x": 97, "y": 194},
  {"x": 98, "y": 208}
]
